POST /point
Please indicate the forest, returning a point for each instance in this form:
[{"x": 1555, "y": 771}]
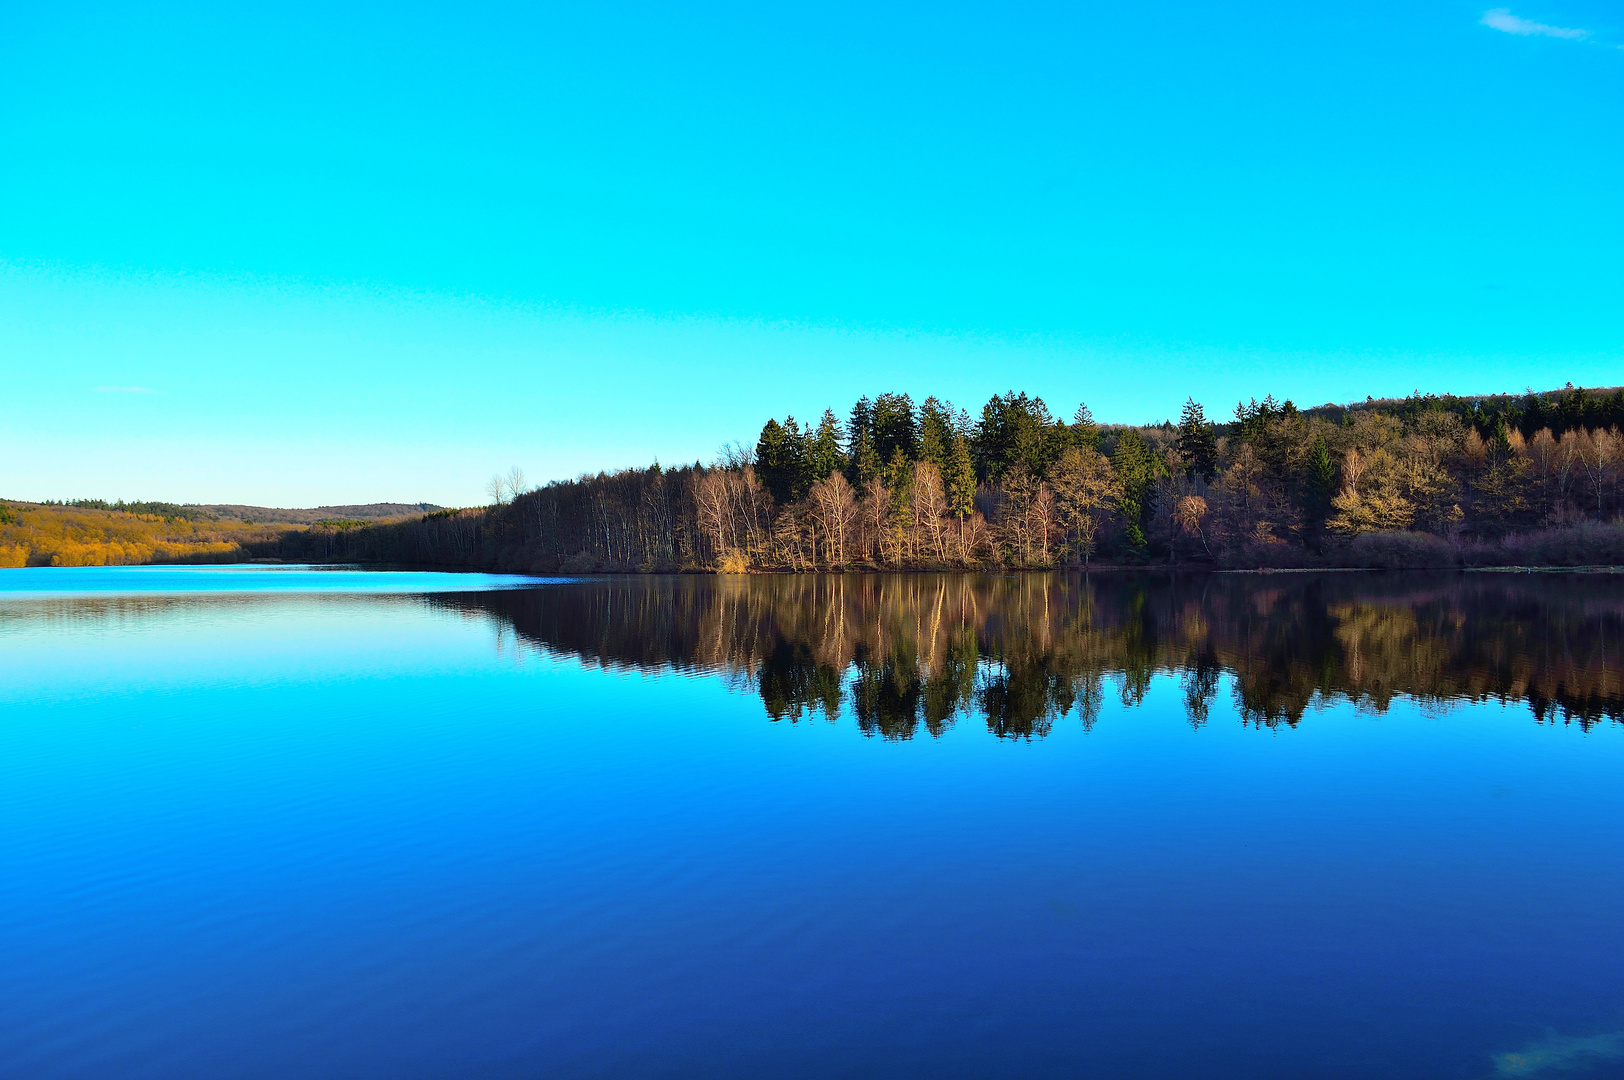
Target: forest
[
  {"x": 92, "y": 532},
  {"x": 1427, "y": 480}
]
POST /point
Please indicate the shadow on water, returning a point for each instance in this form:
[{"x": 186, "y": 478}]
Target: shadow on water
[{"x": 1019, "y": 652}]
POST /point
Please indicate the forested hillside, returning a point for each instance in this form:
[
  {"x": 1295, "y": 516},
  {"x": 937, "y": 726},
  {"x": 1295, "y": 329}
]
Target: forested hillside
[
  {"x": 1425, "y": 480},
  {"x": 94, "y": 533}
]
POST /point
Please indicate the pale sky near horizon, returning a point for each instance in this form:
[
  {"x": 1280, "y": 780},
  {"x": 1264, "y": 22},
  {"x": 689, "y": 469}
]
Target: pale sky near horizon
[{"x": 311, "y": 254}]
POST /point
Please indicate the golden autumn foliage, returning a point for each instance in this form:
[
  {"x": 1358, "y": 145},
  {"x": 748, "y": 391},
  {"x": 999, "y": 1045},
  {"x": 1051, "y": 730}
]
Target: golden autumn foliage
[{"x": 38, "y": 535}]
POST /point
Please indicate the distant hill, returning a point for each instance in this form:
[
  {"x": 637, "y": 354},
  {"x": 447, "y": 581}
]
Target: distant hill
[
  {"x": 311, "y": 515},
  {"x": 92, "y": 532}
]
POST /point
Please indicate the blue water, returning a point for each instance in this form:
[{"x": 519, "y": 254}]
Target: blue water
[
  {"x": 241, "y": 579},
  {"x": 252, "y": 825}
]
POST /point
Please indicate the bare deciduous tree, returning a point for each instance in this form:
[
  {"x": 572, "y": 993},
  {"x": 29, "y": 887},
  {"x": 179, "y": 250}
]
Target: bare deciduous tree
[
  {"x": 927, "y": 507},
  {"x": 834, "y": 512},
  {"x": 496, "y": 488}
]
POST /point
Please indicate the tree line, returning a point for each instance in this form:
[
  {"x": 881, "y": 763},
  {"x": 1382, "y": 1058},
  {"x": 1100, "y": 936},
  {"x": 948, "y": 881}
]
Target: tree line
[
  {"x": 164, "y": 511},
  {"x": 1424, "y": 480}
]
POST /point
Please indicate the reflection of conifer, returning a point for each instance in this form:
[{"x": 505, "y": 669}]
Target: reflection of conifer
[
  {"x": 1200, "y": 687},
  {"x": 1024, "y": 651}
]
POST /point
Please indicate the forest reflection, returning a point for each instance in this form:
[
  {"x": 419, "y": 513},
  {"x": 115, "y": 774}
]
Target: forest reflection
[{"x": 1020, "y": 652}]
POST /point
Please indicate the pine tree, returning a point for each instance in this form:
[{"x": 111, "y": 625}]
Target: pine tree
[
  {"x": 1197, "y": 442},
  {"x": 1136, "y": 470},
  {"x": 770, "y": 460},
  {"x": 1319, "y": 486},
  {"x": 864, "y": 464},
  {"x": 784, "y": 460},
  {"x": 1015, "y": 429},
  {"x": 862, "y": 417},
  {"x": 859, "y": 432},
  {"x": 1085, "y": 433},
  {"x": 898, "y": 471},
  {"x": 898, "y": 480},
  {"x": 961, "y": 479},
  {"x": 797, "y": 460},
  {"x": 828, "y": 453},
  {"x": 895, "y": 427},
  {"x": 936, "y": 433}
]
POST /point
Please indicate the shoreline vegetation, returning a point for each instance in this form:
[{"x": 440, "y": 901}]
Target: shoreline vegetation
[
  {"x": 1424, "y": 482},
  {"x": 1533, "y": 480}
]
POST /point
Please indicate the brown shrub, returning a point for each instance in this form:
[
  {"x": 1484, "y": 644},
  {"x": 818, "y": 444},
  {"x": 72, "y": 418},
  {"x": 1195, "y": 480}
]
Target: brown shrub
[
  {"x": 1579, "y": 545},
  {"x": 1400, "y": 551}
]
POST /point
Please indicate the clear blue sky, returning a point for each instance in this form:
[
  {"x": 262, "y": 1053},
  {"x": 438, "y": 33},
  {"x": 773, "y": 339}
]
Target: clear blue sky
[{"x": 297, "y": 254}]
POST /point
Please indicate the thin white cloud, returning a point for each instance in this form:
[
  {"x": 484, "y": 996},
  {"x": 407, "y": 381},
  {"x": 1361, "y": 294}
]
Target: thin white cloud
[
  {"x": 1503, "y": 20},
  {"x": 122, "y": 390}
]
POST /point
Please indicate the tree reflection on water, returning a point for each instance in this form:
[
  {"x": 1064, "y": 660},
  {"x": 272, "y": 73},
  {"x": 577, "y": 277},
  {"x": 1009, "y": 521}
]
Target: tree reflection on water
[{"x": 1021, "y": 651}]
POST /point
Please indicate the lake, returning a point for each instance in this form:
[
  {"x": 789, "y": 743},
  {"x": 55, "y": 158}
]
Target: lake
[{"x": 299, "y": 822}]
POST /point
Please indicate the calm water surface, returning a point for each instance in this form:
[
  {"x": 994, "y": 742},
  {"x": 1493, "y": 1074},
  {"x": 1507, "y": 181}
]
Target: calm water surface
[{"x": 311, "y": 823}]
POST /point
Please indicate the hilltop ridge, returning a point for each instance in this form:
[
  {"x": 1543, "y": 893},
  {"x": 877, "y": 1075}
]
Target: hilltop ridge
[{"x": 381, "y": 511}]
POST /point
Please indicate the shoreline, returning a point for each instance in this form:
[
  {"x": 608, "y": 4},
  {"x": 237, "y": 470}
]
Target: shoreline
[{"x": 1111, "y": 569}]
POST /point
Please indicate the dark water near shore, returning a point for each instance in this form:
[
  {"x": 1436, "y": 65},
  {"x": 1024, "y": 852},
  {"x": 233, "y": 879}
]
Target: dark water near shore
[{"x": 273, "y": 823}]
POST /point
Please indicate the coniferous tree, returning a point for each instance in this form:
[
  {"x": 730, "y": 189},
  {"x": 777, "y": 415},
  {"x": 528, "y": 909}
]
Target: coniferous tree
[
  {"x": 770, "y": 460},
  {"x": 898, "y": 481},
  {"x": 864, "y": 464},
  {"x": 862, "y": 417},
  {"x": 895, "y": 427},
  {"x": 1197, "y": 442},
  {"x": 935, "y": 432},
  {"x": 1319, "y": 485},
  {"x": 960, "y": 479},
  {"x": 783, "y": 460},
  {"x": 1136, "y": 470},
  {"x": 1533, "y": 416},
  {"x": 899, "y": 470},
  {"x": 1056, "y": 440},
  {"x": 1014, "y": 429},
  {"x": 797, "y": 459},
  {"x": 1085, "y": 433},
  {"x": 989, "y": 446},
  {"x": 828, "y": 454},
  {"x": 859, "y": 430}
]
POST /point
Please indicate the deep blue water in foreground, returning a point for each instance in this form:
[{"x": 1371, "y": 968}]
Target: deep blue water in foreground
[{"x": 284, "y": 823}]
